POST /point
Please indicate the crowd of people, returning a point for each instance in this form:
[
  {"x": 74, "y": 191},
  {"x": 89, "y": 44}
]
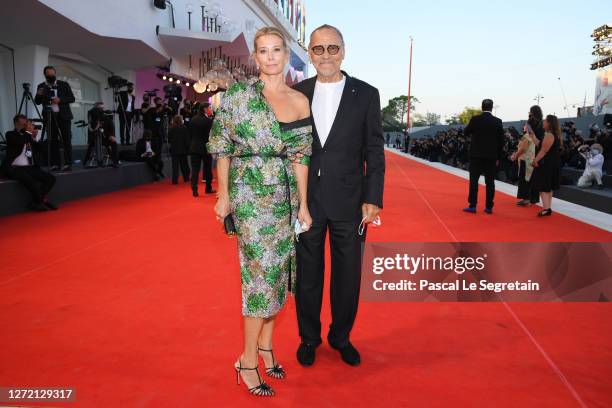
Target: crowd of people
[
  {"x": 591, "y": 154},
  {"x": 156, "y": 128},
  {"x": 531, "y": 158}
]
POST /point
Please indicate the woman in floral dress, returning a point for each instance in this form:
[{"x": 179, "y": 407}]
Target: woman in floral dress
[{"x": 259, "y": 130}]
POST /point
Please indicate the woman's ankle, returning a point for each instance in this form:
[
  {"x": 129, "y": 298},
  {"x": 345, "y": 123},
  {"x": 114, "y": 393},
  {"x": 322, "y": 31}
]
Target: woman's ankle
[{"x": 248, "y": 360}]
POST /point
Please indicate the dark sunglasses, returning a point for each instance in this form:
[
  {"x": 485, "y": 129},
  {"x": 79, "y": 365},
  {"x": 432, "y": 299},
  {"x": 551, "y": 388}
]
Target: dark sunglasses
[{"x": 331, "y": 49}]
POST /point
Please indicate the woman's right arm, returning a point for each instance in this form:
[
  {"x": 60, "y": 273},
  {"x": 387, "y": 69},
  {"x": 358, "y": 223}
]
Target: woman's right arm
[
  {"x": 222, "y": 208},
  {"x": 521, "y": 149},
  {"x": 221, "y": 146}
]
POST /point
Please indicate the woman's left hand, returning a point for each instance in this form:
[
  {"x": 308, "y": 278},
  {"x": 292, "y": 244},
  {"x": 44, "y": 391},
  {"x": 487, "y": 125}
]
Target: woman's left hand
[
  {"x": 534, "y": 164},
  {"x": 304, "y": 217}
]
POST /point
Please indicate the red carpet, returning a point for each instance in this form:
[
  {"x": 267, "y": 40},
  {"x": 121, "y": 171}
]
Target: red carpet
[{"x": 133, "y": 298}]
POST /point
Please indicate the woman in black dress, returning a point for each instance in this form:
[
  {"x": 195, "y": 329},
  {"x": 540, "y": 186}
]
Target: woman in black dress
[{"x": 547, "y": 164}]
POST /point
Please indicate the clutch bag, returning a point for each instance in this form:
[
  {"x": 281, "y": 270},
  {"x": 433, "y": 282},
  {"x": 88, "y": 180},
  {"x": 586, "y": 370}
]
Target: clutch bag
[{"x": 229, "y": 225}]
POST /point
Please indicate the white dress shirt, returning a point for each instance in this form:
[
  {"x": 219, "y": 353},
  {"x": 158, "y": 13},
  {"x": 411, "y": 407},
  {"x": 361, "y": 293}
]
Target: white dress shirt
[
  {"x": 25, "y": 158},
  {"x": 130, "y": 98},
  {"x": 325, "y": 102}
]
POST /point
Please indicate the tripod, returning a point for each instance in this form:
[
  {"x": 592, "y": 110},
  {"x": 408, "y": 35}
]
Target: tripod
[
  {"x": 50, "y": 115},
  {"x": 27, "y": 97}
]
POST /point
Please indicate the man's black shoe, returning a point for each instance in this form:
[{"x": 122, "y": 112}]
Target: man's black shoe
[
  {"x": 209, "y": 190},
  {"x": 306, "y": 354},
  {"x": 37, "y": 207},
  {"x": 349, "y": 354},
  {"x": 67, "y": 168},
  {"x": 54, "y": 168},
  {"x": 50, "y": 205},
  {"x": 195, "y": 193}
]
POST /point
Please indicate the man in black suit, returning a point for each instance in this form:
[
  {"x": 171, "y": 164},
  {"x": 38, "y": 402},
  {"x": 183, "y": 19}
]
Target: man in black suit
[
  {"x": 199, "y": 128},
  {"x": 125, "y": 110},
  {"x": 101, "y": 132},
  {"x": 148, "y": 149},
  {"x": 56, "y": 97},
  {"x": 21, "y": 163},
  {"x": 345, "y": 190},
  {"x": 486, "y": 149}
]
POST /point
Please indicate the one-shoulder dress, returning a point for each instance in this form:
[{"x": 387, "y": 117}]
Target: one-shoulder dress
[{"x": 263, "y": 192}]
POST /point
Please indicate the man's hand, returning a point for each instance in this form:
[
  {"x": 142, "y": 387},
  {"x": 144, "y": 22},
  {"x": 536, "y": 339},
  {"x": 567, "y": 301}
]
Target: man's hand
[
  {"x": 370, "y": 212},
  {"x": 55, "y": 100}
]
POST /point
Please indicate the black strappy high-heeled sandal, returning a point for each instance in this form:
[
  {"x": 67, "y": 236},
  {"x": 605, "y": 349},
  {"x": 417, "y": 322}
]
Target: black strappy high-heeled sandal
[
  {"x": 277, "y": 370},
  {"x": 545, "y": 213},
  {"x": 261, "y": 390}
]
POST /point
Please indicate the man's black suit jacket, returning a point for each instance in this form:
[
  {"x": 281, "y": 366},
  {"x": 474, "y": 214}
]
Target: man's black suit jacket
[
  {"x": 123, "y": 102},
  {"x": 15, "y": 141},
  {"x": 487, "y": 136},
  {"x": 64, "y": 93},
  {"x": 349, "y": 169},
  {"x": 199, "y": 129}
]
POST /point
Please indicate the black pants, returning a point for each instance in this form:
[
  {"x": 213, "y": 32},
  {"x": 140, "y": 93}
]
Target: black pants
[
  {"x": 525, "y": 192},
  {"x": 37, "y": 181},
  {"x": 180, "y": 159},
  {"x": 345, "y": 245},
  {"x": 487, "y": 167},
  {"x": 59, "y": 134},
  {"x": 155, "y": 164},
  {"x": 125, "y": 126},
  {"x": 196, "y": 161}
]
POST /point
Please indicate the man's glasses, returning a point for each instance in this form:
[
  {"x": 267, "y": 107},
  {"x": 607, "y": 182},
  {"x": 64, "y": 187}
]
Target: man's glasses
[{"x": 331, "y": 49}]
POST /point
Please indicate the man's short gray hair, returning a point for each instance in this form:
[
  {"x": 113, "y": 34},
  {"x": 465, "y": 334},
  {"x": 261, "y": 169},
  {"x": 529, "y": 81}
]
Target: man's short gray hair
[{"x": 328, "y": 27}]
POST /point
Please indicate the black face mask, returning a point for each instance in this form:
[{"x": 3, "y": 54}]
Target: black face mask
[
  {"x": 50, "y": 78},
  {"x": 100, "y": 108},
  {"x": 130, "y": 90},
  {"x": 159, "y": 105}
]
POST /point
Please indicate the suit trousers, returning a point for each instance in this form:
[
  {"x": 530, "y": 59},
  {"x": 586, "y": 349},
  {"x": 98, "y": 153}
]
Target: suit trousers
[
  {"x": 345, "y": 248},
  {"x": 196, "y": 161},
  {"x": 59, "y": 134},
  {"x": 180, "y": 159},
  {"x": 33, "y": 178},
  {"x": 479, "y": 166},
  {"x": 125, "y": 126}
]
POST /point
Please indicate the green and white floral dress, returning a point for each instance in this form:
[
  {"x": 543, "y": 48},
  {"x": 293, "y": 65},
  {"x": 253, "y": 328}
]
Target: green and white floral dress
[{"x": 260, "y": 178}]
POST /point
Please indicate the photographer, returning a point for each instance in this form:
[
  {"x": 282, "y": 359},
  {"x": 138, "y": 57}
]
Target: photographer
[
  {"x": 101, "y": 130},
  {"x": 126, "y": 109},
  {"x": 187, "y": 111},
  {"x": 179, "y": 139},
  {"x": 20, "y": 163},
  {"x": 200, "y": 158},
  {"x": 148, "y": 149},
  {"x": 594, "y": 166},
  {"x": 56, "y": 97},
  {"x": 156, "y": 118}
]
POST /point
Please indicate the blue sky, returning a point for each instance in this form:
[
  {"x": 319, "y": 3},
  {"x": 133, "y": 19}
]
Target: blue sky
[{"x": 465, "y": 51}]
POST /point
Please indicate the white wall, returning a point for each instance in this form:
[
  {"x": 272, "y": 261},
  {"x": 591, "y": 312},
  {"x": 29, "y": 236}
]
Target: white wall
[{"x": 7, "y": 90}]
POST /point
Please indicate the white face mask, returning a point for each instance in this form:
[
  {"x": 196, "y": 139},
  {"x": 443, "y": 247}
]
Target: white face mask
[{"x": 595, "y": 152}]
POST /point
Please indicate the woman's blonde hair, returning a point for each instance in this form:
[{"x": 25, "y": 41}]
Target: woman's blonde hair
[{"x": 270, "y": 31}]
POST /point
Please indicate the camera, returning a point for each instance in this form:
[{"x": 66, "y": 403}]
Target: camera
[
  {"x": 116, "y": 81},
  {"x": 48, "y": 92}
]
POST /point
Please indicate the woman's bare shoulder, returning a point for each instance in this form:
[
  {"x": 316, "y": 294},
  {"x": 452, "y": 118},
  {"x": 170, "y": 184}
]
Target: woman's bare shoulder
[{"x": 300, "y": 102}]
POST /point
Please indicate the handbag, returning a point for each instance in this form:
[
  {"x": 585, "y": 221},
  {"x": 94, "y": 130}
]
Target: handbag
[{"x": 229, "y": 225}]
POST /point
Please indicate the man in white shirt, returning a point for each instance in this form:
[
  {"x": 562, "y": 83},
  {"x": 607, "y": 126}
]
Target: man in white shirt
[
  {"x": 125, "y": 110},
  {"x": 345, "y": 189},
  {"x": 21, "y": 163},
  {"x": 594, "y": 167}
]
